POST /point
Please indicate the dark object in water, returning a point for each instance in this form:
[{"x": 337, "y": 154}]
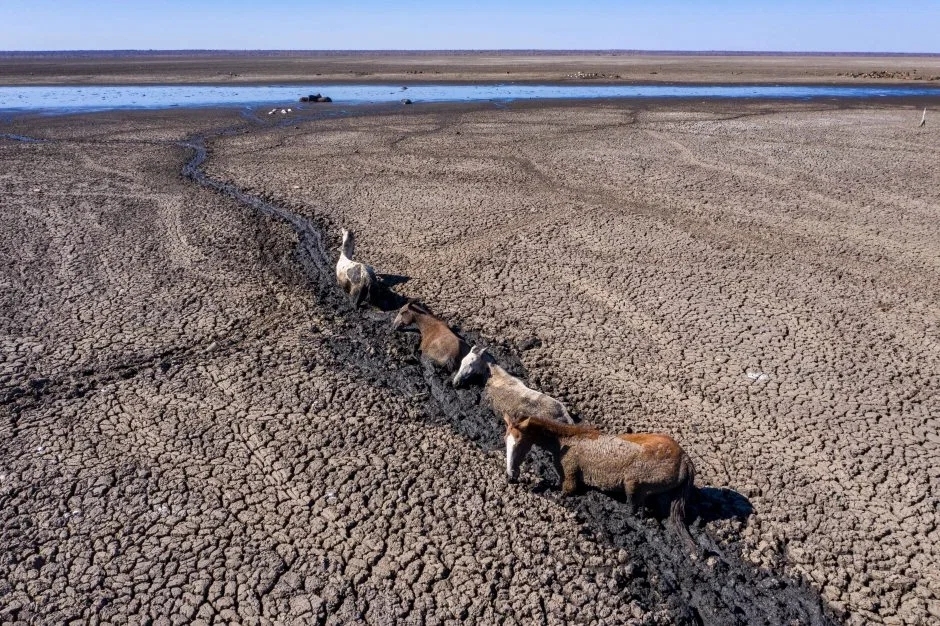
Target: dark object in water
[
  {"x": 315, "y": 97},
  {"x": 406, "y": 101}
]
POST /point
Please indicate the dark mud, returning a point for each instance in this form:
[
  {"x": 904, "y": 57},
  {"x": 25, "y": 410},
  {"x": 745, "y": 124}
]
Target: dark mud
[{"x": 717, "y": 588}]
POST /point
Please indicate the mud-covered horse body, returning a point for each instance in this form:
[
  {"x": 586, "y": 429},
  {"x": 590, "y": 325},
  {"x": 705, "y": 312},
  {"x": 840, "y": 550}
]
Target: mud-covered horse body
[
  {"x": 355, "y": 278},
  {"x": 439, "y": 344},
  {"x": 636, "y": 465},
  {"x": 508, "y": 396}
]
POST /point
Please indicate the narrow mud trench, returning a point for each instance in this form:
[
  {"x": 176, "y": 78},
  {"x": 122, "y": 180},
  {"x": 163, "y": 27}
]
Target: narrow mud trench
[{"x": 719, "y": 588}]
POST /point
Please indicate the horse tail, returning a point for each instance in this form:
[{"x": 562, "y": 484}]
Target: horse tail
[
  {"x": 369, "y": 286},
  {"x": 680, "y": 499}
]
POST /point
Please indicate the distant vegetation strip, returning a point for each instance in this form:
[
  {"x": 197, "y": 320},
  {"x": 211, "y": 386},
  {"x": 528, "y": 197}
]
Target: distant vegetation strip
[{"x": 507, "y": 52}]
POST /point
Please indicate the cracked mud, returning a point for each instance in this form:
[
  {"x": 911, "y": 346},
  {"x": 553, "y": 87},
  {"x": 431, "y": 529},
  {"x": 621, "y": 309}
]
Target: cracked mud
[{"x": 198, "y": 427}]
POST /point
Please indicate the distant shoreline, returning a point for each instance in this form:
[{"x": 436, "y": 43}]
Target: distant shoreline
[
  {"x": 501, "y": 51},
  {"x": 615, "y": 67}
]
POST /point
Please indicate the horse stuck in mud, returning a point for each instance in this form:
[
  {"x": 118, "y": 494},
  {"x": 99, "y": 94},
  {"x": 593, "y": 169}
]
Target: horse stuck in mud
[
  {"x": 356, "y": 279},
  {"x": 507, "y": 395},
  {"x": 439, "y": 344},
  {"x": 635, "y": 465}
]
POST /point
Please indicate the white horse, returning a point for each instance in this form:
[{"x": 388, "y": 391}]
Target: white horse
[{"x": 355, "y": 278}]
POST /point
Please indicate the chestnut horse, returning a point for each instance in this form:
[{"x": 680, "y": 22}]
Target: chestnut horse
[
  {"x": 508, "y": 395},
  {"x": 439, "y": 344},
  {"x": 355, "y": 278},
  {"x": 637, "y": 465}
]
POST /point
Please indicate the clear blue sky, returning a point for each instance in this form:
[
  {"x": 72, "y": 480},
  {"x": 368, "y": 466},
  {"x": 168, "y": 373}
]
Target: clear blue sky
[{"x": 863, "y": 26}]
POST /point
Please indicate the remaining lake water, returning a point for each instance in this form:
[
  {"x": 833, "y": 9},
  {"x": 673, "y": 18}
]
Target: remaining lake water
[{"x": 70, "y": 99}]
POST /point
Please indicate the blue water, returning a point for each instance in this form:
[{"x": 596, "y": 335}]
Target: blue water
[{"x": 65, "y": 99}]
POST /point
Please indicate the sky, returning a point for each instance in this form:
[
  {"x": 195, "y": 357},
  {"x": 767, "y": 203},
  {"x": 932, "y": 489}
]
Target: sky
[{"x": 740, "y": 25}]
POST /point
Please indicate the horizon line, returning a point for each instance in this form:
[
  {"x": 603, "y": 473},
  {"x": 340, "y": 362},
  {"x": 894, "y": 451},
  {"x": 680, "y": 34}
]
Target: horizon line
[{"x": 154, "y": 51}]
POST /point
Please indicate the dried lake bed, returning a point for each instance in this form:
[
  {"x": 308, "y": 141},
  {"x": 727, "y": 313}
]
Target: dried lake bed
[{"x": 196, "y": 426}]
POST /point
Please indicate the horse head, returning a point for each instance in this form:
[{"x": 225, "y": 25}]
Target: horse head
[
  {"x": 518, "y": 445},
  {"x": 474, "y": 365},
  {"x": 406, "y": 315}
]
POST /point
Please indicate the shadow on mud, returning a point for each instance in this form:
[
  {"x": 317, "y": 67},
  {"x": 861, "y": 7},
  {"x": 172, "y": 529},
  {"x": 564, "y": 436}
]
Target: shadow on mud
[
  {"x": 384, "y": 298},
  {"x": 717, "y": 588},
  {"x": 720, "y": 503},
  {"x": 393, "y": 280}
]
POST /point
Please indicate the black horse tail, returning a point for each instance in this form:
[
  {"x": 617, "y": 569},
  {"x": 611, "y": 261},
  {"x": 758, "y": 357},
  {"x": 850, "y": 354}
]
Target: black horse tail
[{"x": 680, "y": 499}]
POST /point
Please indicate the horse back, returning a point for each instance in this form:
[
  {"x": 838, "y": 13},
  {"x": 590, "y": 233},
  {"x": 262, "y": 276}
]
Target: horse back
[{"x": 655, "y": 445}]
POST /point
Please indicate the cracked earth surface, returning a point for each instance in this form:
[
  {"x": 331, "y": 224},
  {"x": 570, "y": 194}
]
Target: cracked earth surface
[
  {"x": 196, "y": 428},
  {"x": 762, "y": 284}
]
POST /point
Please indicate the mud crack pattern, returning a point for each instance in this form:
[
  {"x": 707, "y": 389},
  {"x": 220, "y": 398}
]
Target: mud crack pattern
[
  {"x": 196, "y": 429},
  {"x": 761, "y": 284}
]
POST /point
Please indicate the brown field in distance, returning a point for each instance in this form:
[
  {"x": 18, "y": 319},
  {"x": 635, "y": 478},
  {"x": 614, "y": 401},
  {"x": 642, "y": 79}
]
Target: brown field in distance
[{"x": 351, "y": 67}]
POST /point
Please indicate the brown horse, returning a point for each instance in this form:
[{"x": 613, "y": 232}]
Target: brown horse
[
  {"x": 637, "y": 465},
  {"x": 355, "y": 278},
  {"x": 439, "y": 344},
  {"x": 508, "y": 395}
]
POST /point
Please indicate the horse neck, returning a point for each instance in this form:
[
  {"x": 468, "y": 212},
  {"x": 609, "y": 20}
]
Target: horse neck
[
  {"x": 547, "y": 429},
  {"x": 496, "y": 373},
  {"x": 425, "y": 321},
  {"x": 546, "y": 441},
  {"x": 349, "y": 246}
]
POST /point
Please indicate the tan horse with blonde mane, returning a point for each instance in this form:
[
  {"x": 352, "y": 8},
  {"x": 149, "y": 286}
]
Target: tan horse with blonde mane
[
  {"x": 508, "y": 395},
  {"x": 637, "y": 465}
]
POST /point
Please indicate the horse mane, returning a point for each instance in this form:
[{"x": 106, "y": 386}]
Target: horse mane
[
  {"x": 559, "y": 429},
  {"x": 420, "y": 308}
]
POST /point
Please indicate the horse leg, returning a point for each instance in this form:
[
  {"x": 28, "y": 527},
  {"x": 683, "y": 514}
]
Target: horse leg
[
  {"x": 569, "y": 471},
  {"x": 429, "y": 366},
  {"x": 569, "y": 485},
  {"x": 355, "y": 295},
  {"x": 632, "y": 497}
]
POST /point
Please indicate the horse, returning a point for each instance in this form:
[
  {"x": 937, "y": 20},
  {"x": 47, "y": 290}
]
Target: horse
[
  {"x": 355, "y": 278},
  {"x": 439, "y": 344},
  {"x": 637, "y": 465},
  {"x": 508, "y": 395}
]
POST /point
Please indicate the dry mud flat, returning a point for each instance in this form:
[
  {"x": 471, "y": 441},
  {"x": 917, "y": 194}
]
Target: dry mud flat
[
  {"x": 760, "y": 283},
  {"x": 196, "y": 427}
]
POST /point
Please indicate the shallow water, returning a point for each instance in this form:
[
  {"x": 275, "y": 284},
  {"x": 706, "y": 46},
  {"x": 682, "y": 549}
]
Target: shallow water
[{"x": 66, "y": 99}]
